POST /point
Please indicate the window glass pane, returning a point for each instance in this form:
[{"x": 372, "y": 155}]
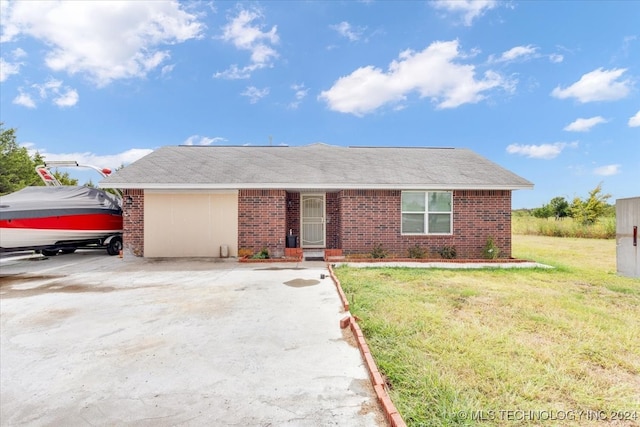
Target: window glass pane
[
  {"x": 413, "y": 223},
  {"x": 440, "y": 202},
  {"x": 413, "y": 201},
  {"x": 439, "y": 223}
]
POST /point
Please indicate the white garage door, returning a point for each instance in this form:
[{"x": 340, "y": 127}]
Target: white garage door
[{"x": 190, "y": 224}]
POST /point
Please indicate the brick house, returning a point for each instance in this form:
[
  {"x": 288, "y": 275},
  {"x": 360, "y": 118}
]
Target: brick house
[{"x": 188, "y": 201}]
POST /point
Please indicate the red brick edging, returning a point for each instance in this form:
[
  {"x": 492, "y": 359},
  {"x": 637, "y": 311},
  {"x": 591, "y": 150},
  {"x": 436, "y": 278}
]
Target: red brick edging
[
  {"x": 391, "y": 413},
  {"x": 343, "y": 297}
]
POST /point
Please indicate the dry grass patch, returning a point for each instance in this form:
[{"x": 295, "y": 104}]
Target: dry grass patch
[
  {"x": 604, "y": 228},
  {"x": 460, "y": 343}
]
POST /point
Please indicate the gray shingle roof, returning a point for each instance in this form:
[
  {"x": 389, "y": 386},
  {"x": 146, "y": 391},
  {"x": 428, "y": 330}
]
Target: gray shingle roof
[{"x": 315, "y": 166}]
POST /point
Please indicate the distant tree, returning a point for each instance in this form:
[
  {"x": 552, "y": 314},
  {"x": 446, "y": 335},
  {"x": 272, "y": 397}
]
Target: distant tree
[
  {"x": 113, "y": 191},
  {"x": 559, "y": 207},
  {"x": 588, "y": 211},
  {"x": 37, "y": 159},
  {"x": 543, "y": 212},
  {"x": 609, "y": 211},
  {"x": 18, "y": 168},
  {"x": 522, "y": 212},
  {"x": 64, "y": 178}
]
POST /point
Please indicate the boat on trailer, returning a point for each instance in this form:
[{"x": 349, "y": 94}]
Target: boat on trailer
[{"x": 59, "y": 218}]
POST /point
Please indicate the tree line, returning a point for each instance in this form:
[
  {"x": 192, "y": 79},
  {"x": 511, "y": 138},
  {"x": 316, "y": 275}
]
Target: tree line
[
  {"x": 18, "y": 167},
  {"x": 584, "y": 210}
]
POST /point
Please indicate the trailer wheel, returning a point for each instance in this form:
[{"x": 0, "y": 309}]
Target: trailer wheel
[
  {"x": 50, "y": 252},
  {"x": 68, "y": 250},
  {"x": 115, "y": 246}
]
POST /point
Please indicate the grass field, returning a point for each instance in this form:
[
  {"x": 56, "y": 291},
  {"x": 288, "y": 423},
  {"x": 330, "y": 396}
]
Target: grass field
[
  {"x": 509, "y": 347},
  {"x": 604, "y": 228}
]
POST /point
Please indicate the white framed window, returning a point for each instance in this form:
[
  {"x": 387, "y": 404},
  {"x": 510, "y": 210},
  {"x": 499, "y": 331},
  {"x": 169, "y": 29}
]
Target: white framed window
[{"x": 427, "y": 212}]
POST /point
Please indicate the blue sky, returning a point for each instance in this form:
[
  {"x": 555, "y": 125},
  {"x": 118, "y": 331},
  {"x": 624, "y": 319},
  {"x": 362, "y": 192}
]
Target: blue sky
[{"x": 547, "y": 89}]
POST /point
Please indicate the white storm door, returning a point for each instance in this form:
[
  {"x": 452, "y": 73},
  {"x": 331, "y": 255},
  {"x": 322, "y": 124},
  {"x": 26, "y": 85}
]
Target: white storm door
[{"x": 312, "y": 221}]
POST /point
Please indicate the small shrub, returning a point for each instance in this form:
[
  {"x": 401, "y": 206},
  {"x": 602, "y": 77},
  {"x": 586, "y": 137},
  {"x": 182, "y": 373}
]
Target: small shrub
[
  {"x": 490, "y": 250},
  {"x": 379, "y": 252},
  {"x": 609, "y": 226},
  {"x": 263, "y": 254},
  {"x": 417, "y": 252},
  {"x": 448, "y": 252}
]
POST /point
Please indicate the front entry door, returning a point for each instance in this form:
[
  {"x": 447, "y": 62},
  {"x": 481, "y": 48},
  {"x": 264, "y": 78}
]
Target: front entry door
[{"x": 312, "y": 233}]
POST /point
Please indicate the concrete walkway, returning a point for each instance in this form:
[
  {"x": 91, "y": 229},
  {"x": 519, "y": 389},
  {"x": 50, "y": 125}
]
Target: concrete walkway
[
  {"x": 89, "y": 339},
  {"x": 450, "y": 265}
]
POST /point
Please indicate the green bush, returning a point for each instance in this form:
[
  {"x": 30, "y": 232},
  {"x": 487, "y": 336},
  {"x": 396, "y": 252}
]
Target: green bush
[
  {"x": 417, "y": 252},
  {"x": 379, "y": 252},
  {"x": 263, "y": 254},
  {"x": 490, "y": 250},
  {"x": 448, "y": 252}
]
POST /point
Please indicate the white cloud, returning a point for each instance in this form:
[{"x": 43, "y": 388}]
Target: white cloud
[
  {"x": 60, "y": 95},
  {"x": 584, "y": 125},
  {"x": 104, "y": 40},
  {"x": 167, "y": 69},
  {"x": 469, "y": 9},
  {"x": 254, "y": 94},
  {"x": 300, "y": 93},
  {"x": 542, "y": 151},
  {"x": 111, "y": 161},
  {"x": 598, "y": 85},
  {"x": 18, "y": 53},
  {"x": 346, "y": 30},
  {"x": 634, "y": 121},
  {"x": 607, "y": 170},
  {"x": 68, "y": 98},
  {"x": 433, "y": 73},
  {"x": 516, "y": 53},
  {"x": 203, "y": 140},
  {"x": 24, "y": 99},
  {"x": 244, "y": 35},
  {"x": 556, "y": 58},
  {"x": 236, "y": 73},
  {"x": 50, "y": 86},
  {"x": 8, "y": 69}
]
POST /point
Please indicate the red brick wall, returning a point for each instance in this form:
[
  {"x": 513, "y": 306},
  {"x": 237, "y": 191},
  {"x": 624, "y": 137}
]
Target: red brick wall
[
  {"x": 133, "y": 221},
  {"x": 357, "y": 221},
  {"x": 372, "y": 217},
  {"x": 293, "y": 214},
  {"x": 333, "y": 221},
  {"x": 262, "y": 220},
  {"x": 478, "y": 215}
]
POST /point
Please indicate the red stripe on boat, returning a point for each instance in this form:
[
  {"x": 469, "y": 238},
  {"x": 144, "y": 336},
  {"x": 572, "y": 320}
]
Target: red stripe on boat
[{"x": 67, "y": 222}]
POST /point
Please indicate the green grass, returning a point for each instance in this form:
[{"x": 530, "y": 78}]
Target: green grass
[
  {"x": 469, "y": 342},
  {"x": 604, "y": 228}
]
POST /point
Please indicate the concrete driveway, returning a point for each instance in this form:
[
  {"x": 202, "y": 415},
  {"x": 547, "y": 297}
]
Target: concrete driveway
[{"x": 89, "y": 339}]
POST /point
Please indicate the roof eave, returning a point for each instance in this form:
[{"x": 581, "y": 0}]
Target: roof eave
[{"x": 315, "y": 186}]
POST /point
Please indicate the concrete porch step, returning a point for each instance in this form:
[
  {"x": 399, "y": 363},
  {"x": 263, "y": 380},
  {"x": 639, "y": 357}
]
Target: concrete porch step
[{"x": 313, "y": 254}]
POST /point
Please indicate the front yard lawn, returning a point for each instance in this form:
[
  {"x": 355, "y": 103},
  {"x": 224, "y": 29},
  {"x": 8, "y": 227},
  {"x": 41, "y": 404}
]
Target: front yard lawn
[{"x": 506, "y": 346}]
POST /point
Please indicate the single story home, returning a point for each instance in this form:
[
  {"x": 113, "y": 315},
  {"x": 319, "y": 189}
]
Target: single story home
[{"x": 189, "y": 201}]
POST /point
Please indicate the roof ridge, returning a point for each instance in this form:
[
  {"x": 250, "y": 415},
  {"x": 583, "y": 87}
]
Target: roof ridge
[
  {"x": 403, "y": 147},
  {"x": 231, "y": 146}
]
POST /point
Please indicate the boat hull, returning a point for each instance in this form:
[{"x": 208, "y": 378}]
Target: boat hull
[
  {"x": 58, "y": 231},
  {"x": 65, "y": 217}
]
